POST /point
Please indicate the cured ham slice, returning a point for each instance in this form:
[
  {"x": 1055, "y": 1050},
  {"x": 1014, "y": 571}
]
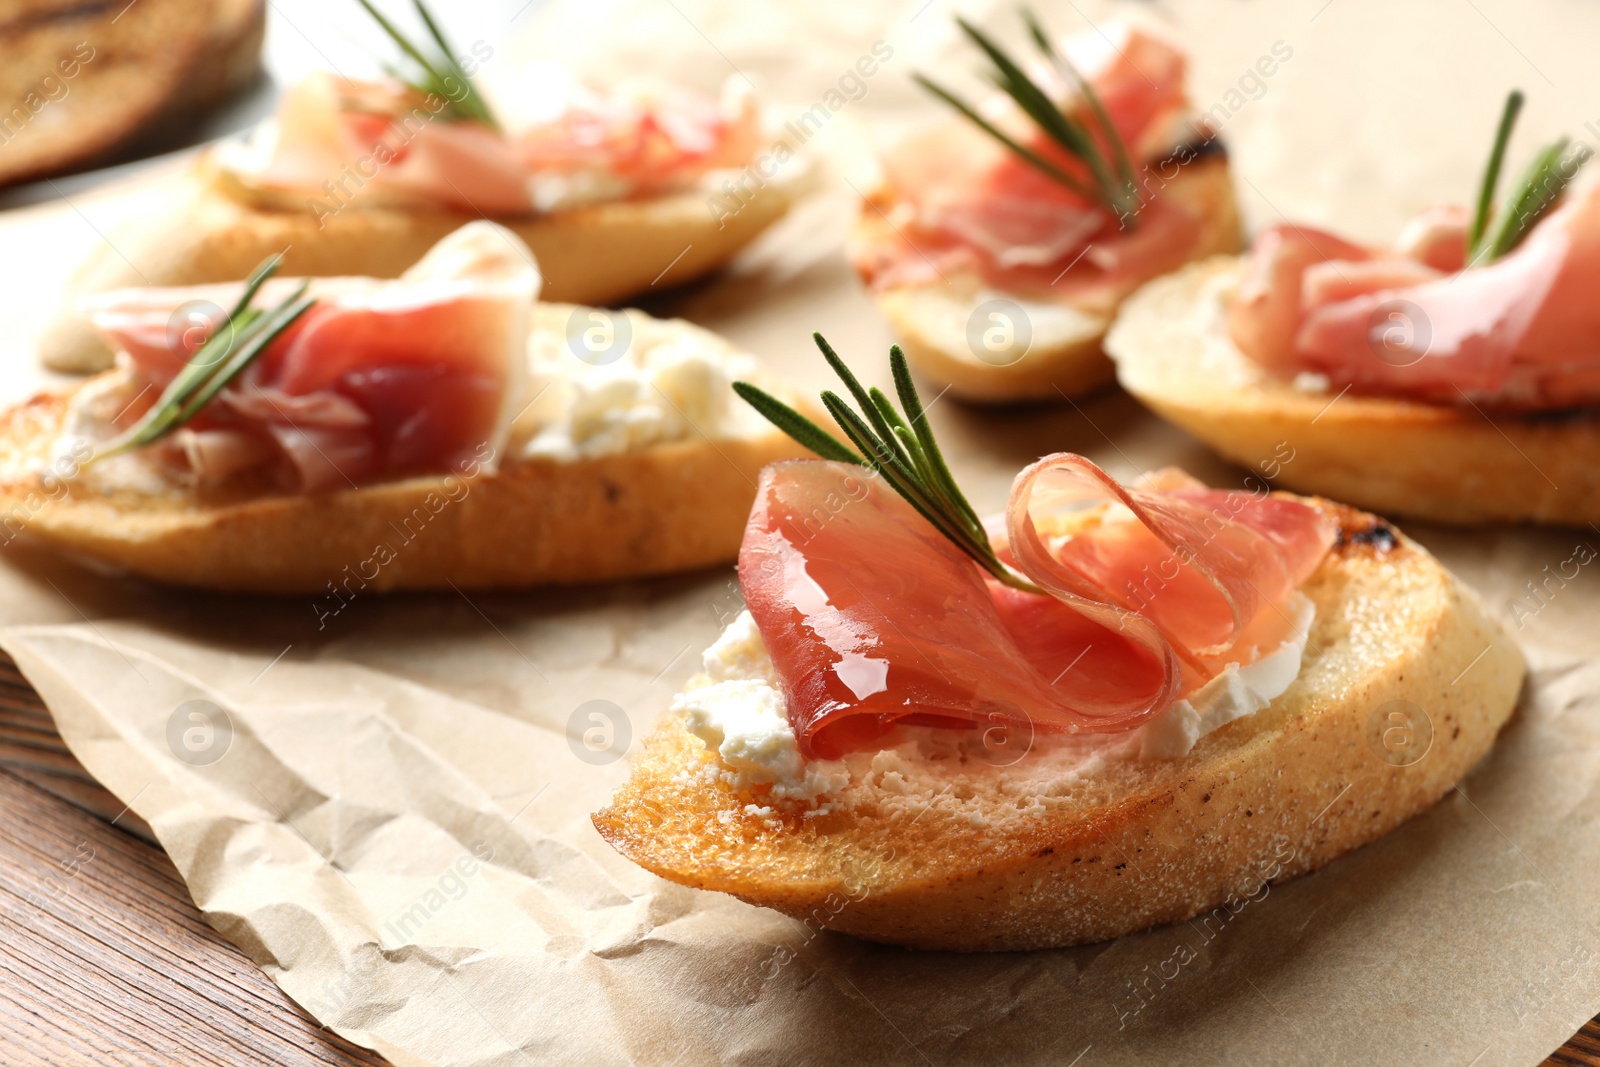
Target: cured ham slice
[
  {"x": 379, "y": 380},
  {"x": 1437, "y": 237},
  {"x": 383, "y": 143},
  {"x": 1265, "y": 313},
  {"x": 872, "y": 618},
  {"x": 1522, "y": 332},
  {"x": 974, "y": 204},
  {"x": 338, "y": 141},
  {"x": 649, "y": 133}
]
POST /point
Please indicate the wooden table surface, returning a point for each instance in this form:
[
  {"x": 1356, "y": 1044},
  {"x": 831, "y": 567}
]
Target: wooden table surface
[{"x": 103, "y": 956}]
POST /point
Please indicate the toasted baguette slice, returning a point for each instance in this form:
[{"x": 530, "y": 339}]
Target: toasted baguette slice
[
  {"x": 80, "y": 81},
  {"x": 670, "y": 507},
  {"x": 1396, "y": 457},
  {"x": 965, "y": 855},
  {"x": 210, "y": 230},
  {"x": 1064, "y": 356}
]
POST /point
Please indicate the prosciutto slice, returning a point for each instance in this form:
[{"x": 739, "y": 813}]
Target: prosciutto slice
[
  {"x": 974, "y": 204},
  {"x": 379, "y": 380},
  {"x": 1521, "y": 333},
  {"x": 339, "y": 141},
  {"x": 872, "y": 618}
]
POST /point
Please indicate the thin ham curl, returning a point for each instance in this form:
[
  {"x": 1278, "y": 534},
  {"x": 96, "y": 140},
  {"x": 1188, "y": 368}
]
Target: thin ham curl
[
  {"x": 1522, "y": 332},
  {"x": 872, "y": 618},
  {"x": 379, "y": 380}
]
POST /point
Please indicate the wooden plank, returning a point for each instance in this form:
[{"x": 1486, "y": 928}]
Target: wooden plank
[
  {"x": 103, "y": 954},
  {"x": 1583, "y": 1050},
  {"x": 104, "y": 958},
  {"x": 32, "y": 749}
]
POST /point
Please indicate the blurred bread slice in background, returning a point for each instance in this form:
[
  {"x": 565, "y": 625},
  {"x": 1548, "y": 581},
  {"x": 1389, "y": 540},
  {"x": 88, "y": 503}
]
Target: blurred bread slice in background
[{"x": 88, "y": 83}]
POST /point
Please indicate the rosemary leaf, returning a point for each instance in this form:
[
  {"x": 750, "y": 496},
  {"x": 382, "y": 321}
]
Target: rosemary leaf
[
  {"x": 1491, "y": 173},
  {"x": 1027, "y": 155},
  {"x": 902, "y": 480},
  {"x": 1108, "y": 130},
  {"x": 898, "y": 445},
  {"x": 879, "y": 425},
  {"x": 1016, "y": 84},
  {"x": 268, "y": 328},
  {"x": 796, "y": 425},
  {"x": 471, "y": 101},
  {"x": 1540, "y": 187},
  {"x": 1111, "y": 182},
  {"x": 1542, "y": 182},
  {"x": 927, "y": 477},
  {"x": 434, "y": 81},
  {"x": 906, "y": 438},
  {"x": 399, "y": 38},
  {"x": 233, "y": 346},
  {"x": 917, "y": 415}
]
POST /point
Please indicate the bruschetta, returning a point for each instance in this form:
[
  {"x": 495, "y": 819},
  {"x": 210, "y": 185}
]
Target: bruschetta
[
  {"x": 1451, "y": 377},
  {"x": 435, "y": 430},
  {"x": 1000, "y": 248},
  {"x": 1127, "y": 705}
]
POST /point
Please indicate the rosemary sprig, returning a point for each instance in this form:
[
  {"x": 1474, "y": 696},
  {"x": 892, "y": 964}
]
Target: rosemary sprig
[
  {"x": 896, "y": 443},
  {"x": 1540, "y": 186},
  {"x": 1110, "y": 182},
  {"x": 437, "y": 72},
  {"x": 235, "y": 344}
]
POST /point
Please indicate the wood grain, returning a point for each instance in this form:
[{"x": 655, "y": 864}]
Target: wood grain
[{"x": 103, "y": 955}]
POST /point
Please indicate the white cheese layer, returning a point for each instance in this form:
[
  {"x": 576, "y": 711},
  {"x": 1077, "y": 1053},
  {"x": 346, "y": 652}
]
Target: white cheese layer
[
  {"x": 618, "y": 382},
  {"x": 737, "y": 708},
  {"x": 1236, "y": 692}
]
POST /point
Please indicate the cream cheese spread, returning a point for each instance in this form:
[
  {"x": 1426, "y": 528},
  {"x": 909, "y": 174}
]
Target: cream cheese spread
[{"x": 737, "y": 708}]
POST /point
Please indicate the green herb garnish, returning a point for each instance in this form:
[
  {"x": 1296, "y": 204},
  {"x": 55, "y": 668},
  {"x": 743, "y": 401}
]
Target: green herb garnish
[
  {"x": 1110, "y": 181},
  {"x": 1540, "y": 186},
  {"x": 896, "y": 443},
  {"x": 232, "y": 347},
  {"x": 439, "y": 75}
]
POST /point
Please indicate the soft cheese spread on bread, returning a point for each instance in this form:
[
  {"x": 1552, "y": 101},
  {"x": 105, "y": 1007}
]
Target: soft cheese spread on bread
[
  {"x": 664, "y": 381},
  {"x": 737, "y": 708}
]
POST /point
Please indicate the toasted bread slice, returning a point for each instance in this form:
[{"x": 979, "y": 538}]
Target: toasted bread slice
[
  {"x": 1064, "y": 356},
  {"x": 231, "y": 60},
  {"x": 672, "y": 506},
  {"x": 1079, "y": 841},
  {"x": 79, "y": 80},
  {"x": 1396, "y": 457},
  {"x": 213, "y": 231}
]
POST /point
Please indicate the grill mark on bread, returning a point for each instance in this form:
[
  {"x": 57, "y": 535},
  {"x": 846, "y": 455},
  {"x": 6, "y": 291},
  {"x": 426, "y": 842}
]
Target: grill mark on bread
[{"x": 1358, "y": 530}]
